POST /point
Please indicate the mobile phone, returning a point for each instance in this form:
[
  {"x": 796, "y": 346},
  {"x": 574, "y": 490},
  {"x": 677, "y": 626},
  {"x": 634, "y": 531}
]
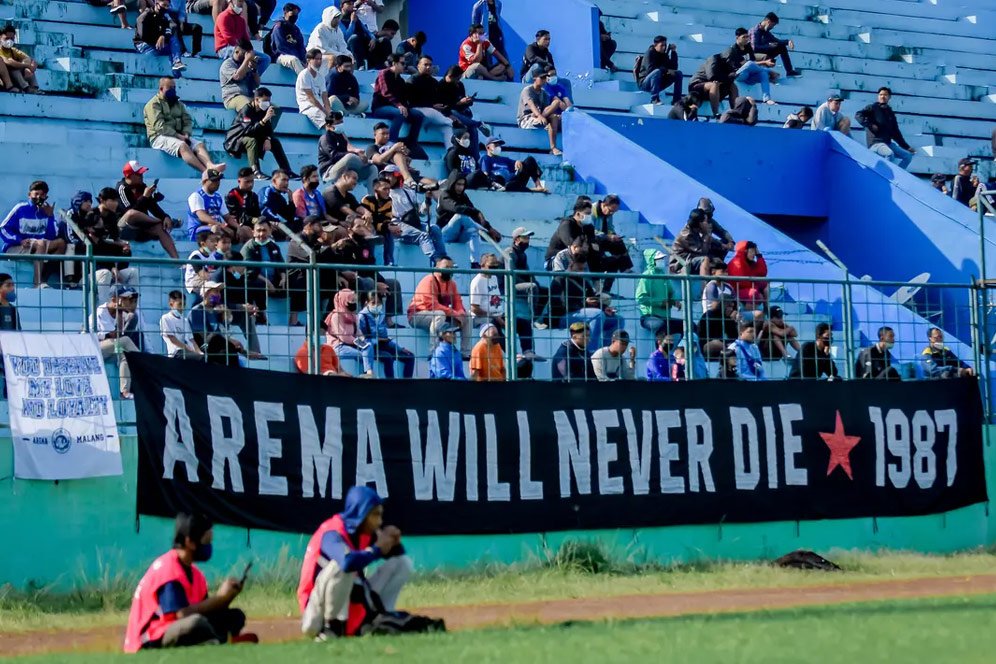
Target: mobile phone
[
  {"x": 245, "y": 573},
  {"x": 155, "y": 183},
  {"x": 473, "y": 96}
]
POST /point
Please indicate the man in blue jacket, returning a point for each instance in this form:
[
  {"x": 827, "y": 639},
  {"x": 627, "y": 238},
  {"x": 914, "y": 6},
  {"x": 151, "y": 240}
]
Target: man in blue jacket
[
  {"x": 750, "y": 366},
  {"x": 334, "y": 592},
  {"x": 30, "y": 228},
  {"x": 446, "y": 361},
  {"x": 287, "y": 41}
]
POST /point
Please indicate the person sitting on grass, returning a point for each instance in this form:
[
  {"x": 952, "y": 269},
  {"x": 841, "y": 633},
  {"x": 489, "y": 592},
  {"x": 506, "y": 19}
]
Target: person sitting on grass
[
  {"x": 335, "y": 564},
  {"x": 171, "y": 607}
]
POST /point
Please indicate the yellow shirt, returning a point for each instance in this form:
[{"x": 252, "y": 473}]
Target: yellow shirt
[
  {"x": 487, "y": 361},
  {"x": 14, "y": 54}
]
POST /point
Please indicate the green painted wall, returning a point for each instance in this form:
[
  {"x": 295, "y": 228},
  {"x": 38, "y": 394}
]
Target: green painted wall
[{"x": 87, "y": 530}]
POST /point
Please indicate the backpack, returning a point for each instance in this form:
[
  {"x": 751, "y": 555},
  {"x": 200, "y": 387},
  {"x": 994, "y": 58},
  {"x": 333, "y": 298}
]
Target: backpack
[
  {"x": 637, "y": 68},
  {"x": 378, "y": 620},
  {"x": 268, "y": 42},
  {"x": 802, "y": 559}
]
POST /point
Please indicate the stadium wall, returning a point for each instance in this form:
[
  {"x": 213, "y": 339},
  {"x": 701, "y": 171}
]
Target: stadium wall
[{"x": 86, "y": 531}]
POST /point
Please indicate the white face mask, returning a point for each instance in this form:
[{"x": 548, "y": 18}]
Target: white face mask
[
  {"x": 464, "y": 142},
  {"x": 937, "y": 345},
  {"x": 264, "y": 105},
  {"x": 552, "y": 80},
  {"x": 496, "y": 150},
  {"x": 337, "y": 129},
  {"x": 7, "y": 43},
  {"x": 375, "y": 309},
  {"x": 176, "y": 312},
  {"x": 889, "y": 345},
  {"x": 586, "y": 220},
  {"x": 237, "y": 9}
]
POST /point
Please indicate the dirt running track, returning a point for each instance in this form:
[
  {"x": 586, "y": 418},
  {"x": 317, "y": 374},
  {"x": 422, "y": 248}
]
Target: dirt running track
[{"x": 555, "y": 611}]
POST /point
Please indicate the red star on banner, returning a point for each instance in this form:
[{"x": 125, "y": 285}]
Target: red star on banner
[{"x": 840, "y": 446}]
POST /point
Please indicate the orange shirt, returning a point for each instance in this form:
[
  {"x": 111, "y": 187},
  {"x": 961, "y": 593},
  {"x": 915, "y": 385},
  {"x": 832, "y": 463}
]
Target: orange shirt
[
  {"x": 327, "y": 359},
  {"x": 434, "y": 294},
  {"x": 488, "y": 361}
]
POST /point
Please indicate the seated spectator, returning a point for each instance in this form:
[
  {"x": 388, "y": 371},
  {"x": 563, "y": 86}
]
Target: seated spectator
[
  {"x": 390, "y": 102},
  {"x": 252, "y": 134},
  {"x": 462, "y": 158},
  {"x": 537, "y": 110},
  {"x": 769, "y": 46},
  {"x": 487, "y": 359},
  {"x": 8, "y": 312},
  {"x": 572, "y": 361},
  {"x": 829, "y": 118},
  {"x": 239, "y": 77},
  {"x": 176, "y": 332},
  {"x": 487, "y": 304},
  {"x": 876, "y": 361},
  {"x": 410, "y": 52},
  {"x": 963, "y": 189},
  {"x": 882, "y": 134},
  {"x": 328, "y": 38},
  {"x": 232, "y": 29},
  {"x": 371, "y": 47},
  {"x": 243, "y": 202},
  {"x": 939, "y": 181},
  {"x": 407, "y": 223},
  {"x": 436, "y": 305},
  {"x": 458, "y": 219},
  {"x": 578, "y": 225},
  {"x": 423, "y": 96},
  {"x": 381, "y": 208},
  {"x": 686, "y": 110},
  {"x": 558, "y": 89},
  {"x": 607, "y": 46},
  {"x": 156, "y": 33},
  {"x": 814, "y": 361},
  {"x": 30, "y": 228},
  {"x": 210, "y": 322},
  {"x": 343, "y": 332},
  {"x": 661, "y": 361},
  {"x": 728, "y": 365},
  {"x": 539, "y": 58},
  {"x": 111, "y": 322},
  {"x": 169, "y": 128},
  {"x": 939, "y": 362},
  {"x": 236, "y": 295},
  {"x": 476, "y": 54},
  {"x": 579, "y": 298},
  {"x": 312, "y": 99},
  {"x": 276, "y": 201},
  {"x": 206, "y": 211},
  {"x": 748, "y": 262},
  {"x": 527, "y": 285},
  {"x": 743, "y": 112},
  {"x": 610, "y": 362},
  {"x": 340, "y": 203},
  {"x": 715, "y": 80},
  {"x": 609, "y": 252},
  {"x": 143, "y": 219},
  {"x": 336, "y": 154},
  {"x": 298, "y": 252},
  {"x": 719, "y": 328},
  {"x": 511, "y": 175},
  {"x": 116, "y": 8},
  {"x": 775, "y": 336},
  {"x": 355, "y": 247},
  {"x": 308, "y": 202},
  {"x": 656, "y": 295},
  {"x": 373, "y": 327},
  {"x": 287, "y": 41},
  {"x": 799, "y": 119},
  {"x": 748, "y": 68},
  {"x": 658, "y": 68},
  {"x": 446, "y": 363},
  {"x": 382, "y": 153},
  {"x": 695, "y": 245},
  {"x": 20, "y": 67},
  {"x": 452, "y": 96},
  {"x": 487, "y": 14},
  {"x": 749, "y": 363},
  {"x": 724, "y": 245},
  {"x": 102, "y": 228},
  {"x": 328, "y": 361},
  {"x": 717, "y": 292},
  {"x": 199, "y": 270},
  {"x": 343, "y": 89},
  {"x": 262, "y": 249}
]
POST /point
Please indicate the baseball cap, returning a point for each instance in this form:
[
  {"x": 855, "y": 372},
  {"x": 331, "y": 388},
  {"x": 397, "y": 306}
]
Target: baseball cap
[
  {"x": 211, "y": 174},
  {"x": 659, "y": 255},
  {"x": 494, "y": 140},
  {"x": 486, "y": 327},
  {"x": 835, "y": 98},
  {"x": 578, "y": 327},
  {"x": 133, "y": 167},
  {"x": 538, "y": 70},
  {"x": 620, "y": 335},
  {"x": 334, "y": 117},
  {"x": 120, "y": 290},
  {"x": 938, "y": 177},
  {"x": 447, "y": 328},
  {"x": 213, "y": 284},
  {"x": 522, "y": 231},
  {"x": 966, "y": 161},
  {"x": 391, "y": 168},
  {"x": 775, "y": 312}
]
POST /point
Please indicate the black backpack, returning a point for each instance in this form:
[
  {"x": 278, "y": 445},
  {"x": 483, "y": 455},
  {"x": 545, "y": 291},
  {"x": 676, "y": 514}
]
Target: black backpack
[
  {"x": 268, "y": 42},
  {"x": 802, "y": 559},
  {"x": 637, "y": 68}
]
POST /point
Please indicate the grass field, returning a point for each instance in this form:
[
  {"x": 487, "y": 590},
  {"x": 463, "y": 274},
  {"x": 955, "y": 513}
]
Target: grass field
[
  {"x": 571, "y": 573},
  {"x": 943, "y": 630}
]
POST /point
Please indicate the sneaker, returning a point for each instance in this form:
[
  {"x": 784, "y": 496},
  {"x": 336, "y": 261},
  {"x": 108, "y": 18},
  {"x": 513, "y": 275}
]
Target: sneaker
[
  {"x": 332, "y": 630},
  {"x": 497, "y": 187},
  {"x": 793, "y": 73},
  {"x": 540, "y": 325},
  {"x": 117, "y": 10},
  {"x": 485, "y": 129},
  {"x": 259, "y": 175},
  {"x": 179, "y": 66},
  {"x": 245, "y": 637}
]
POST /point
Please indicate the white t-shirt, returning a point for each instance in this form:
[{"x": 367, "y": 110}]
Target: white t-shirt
[
  {"x": 485, "y": 294},
  {"x": 195, "y": 203},
  {"x": 368, "y": 16},
  {"x": 178, "y": 327},
  {"x": 308, "y": 81}
]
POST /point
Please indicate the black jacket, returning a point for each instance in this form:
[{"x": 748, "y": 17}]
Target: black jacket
[
  {"x": 248, "y": 123},
  {"x": 150, "y": 26},
  {"x": 678, "y": 111},
  {"x": 813, "y": 364},
  {"x": 451, "y": 203},
  {"x": 880, "y": 125},
  {"x": 716, "y": 68},
  {"x": 962, "y": 189},
  {"x": 875, "y": 363},
  {"x": 423, "y": 91},
  {"x": 535, "y": 55},
  {"x": 450, "y": 94},
  {"x": 565, "y": 234},
  {"x": 243, "y": 206},
  {"x": 652, "y": 61},
  {"x": 743, "y": 112},
  {"x": 572, "y": 363},
  {"x": 331, "y": 148},
  {"x": 253, "y": 251},
  {"x": 736, "y": 57}
]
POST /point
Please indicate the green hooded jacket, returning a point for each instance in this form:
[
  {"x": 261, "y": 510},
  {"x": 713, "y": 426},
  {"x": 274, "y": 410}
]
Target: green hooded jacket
[{"x": 655, "y": 296}]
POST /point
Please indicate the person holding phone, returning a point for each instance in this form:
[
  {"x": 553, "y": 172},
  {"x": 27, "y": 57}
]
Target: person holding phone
[
  {"x": 337, "y": 560},
  {"x": 30, "y": 228},
  {"x": 171, "y": 606}
]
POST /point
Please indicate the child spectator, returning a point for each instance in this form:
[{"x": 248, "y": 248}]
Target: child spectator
[
  {"x": 373, "y": 327},
  {"x": 749, "y": 364},
  {"x": 176, "y": 332},
  {"x": 678, "y": 366},
  {"x": 8, "y": 313}
]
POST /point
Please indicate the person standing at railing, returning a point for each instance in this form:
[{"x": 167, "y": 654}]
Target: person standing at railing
[
  {"x": 110, "y": 322},
  {"x": 30, "y": 228},
  {"x": 174, "y": 327}
]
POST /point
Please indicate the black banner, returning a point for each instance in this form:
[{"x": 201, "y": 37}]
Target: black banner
[{"x": 278, "y": 451}]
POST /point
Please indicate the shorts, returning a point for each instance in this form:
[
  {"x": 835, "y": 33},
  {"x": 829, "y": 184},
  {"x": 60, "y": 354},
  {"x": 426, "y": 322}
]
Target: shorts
[
  {"x": 16, "y": 249},
  {"x": 529, "y": 122},
  {"x": 171, "y": 145}
]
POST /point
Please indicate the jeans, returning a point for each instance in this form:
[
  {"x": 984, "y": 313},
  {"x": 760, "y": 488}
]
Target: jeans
[
  {"x": 657, "y": 324},
  {"x": 472, "y": 125},
  {"x": 365, "y": 355},
  {"x": 780, "y": 50},
  {"x": 431, "y": 242},
  {"x": 536, "y": 296},
  {"x": 462, "y": 230},
  {"x": 600, "y": 325},
  {"x": 264, "y": 59},
  {"x": 414, "y": 121},
  {"x": 365, "y": 172},
  {"x": 657, "y": 80},
  {"x": 359, "y": 46},
  {"x": 752, "y": 73},
  {"x": 387, "y": 353},
  {"x": 190, "y": 29},
  {"x": 893, "y": 152},
  {"x": 173, "y": 49},
  {"x": 434, "y": 118}
]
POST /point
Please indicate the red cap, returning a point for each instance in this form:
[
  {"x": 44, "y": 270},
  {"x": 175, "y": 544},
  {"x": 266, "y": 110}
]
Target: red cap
[{"x": 133, "y": 167}]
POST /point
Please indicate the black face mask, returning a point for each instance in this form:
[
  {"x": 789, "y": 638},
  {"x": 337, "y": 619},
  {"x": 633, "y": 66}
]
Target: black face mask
[
  {"x": 351, "y": 306},
  {"x": 446, "y": 277},
  {"x": 203, "y": 553},
  {"x": 292, "y": 19}
]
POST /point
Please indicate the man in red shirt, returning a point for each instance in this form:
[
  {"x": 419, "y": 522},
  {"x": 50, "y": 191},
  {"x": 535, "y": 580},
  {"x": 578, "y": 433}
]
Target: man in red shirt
[
  {"x": 437, "y": 303},
  {"x": 230, "y": 28},
  {"x": 476, "y": 54}
]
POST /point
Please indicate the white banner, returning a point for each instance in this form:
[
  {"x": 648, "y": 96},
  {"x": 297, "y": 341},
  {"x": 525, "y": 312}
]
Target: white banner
[{"x": 61, "y": 414}]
